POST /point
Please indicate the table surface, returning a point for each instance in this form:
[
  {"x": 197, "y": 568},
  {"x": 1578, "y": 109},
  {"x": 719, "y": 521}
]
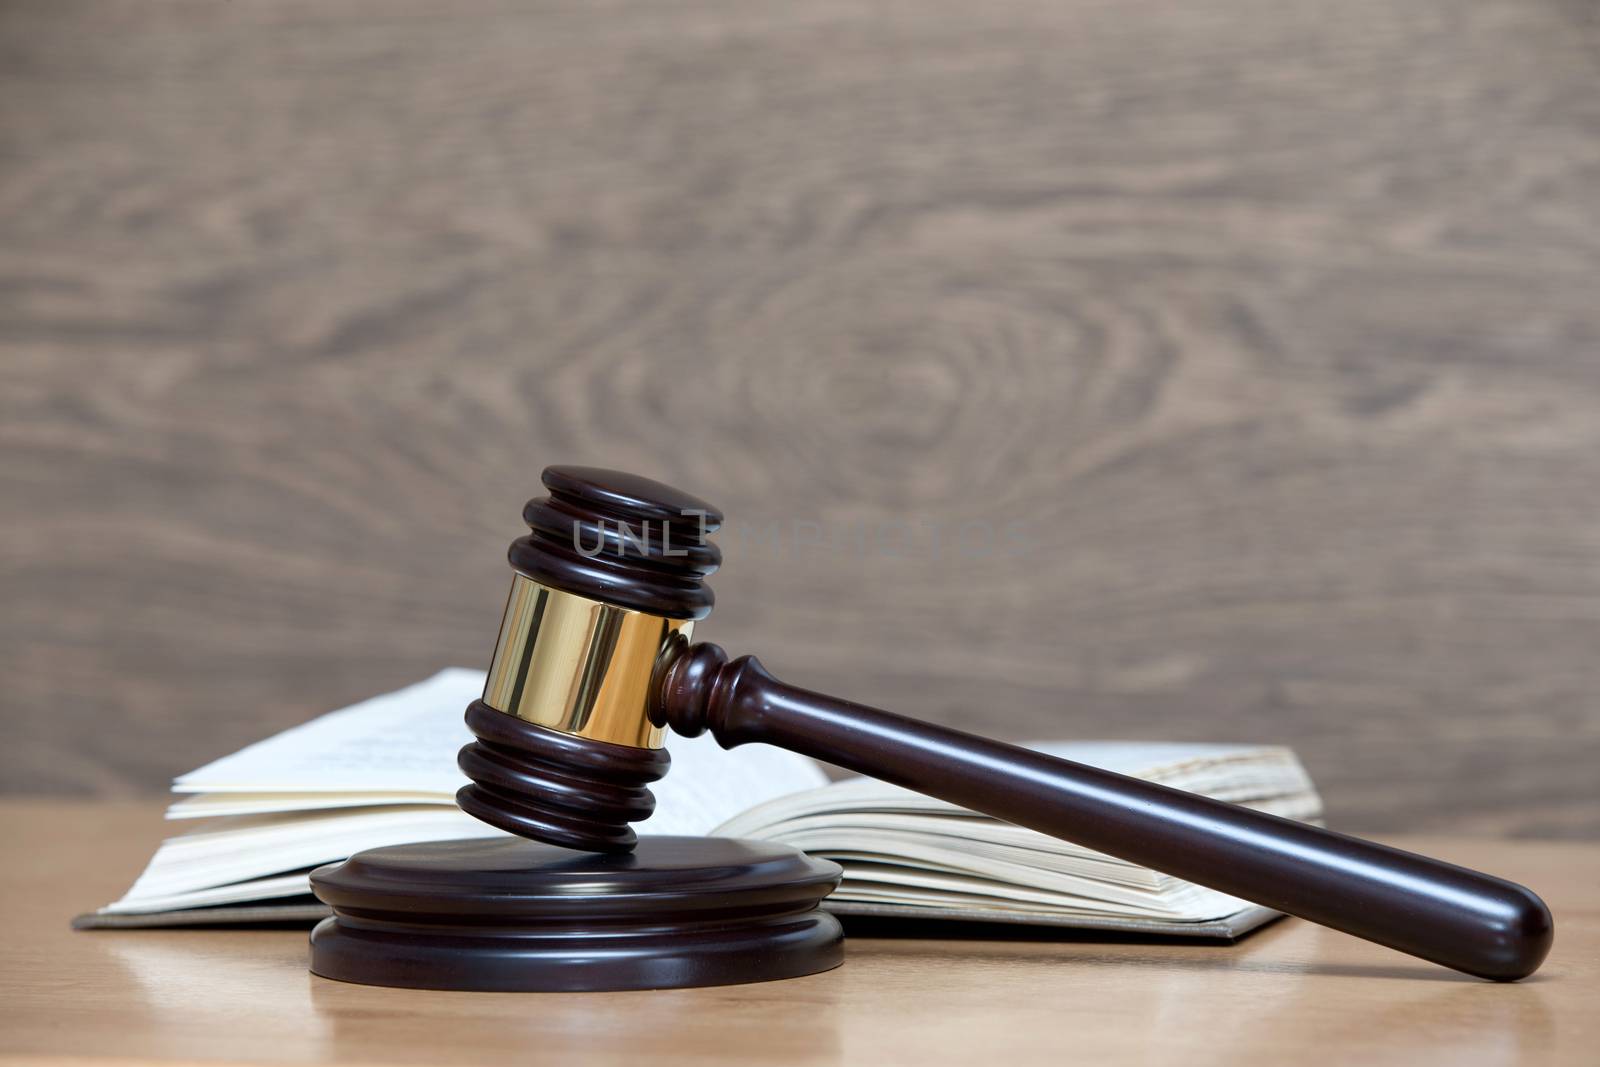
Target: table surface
[{"x": 245, "y": 995}]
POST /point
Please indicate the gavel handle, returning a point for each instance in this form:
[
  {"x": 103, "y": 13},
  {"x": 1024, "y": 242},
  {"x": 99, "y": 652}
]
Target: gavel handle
[{"x": 1460, "y": 918}]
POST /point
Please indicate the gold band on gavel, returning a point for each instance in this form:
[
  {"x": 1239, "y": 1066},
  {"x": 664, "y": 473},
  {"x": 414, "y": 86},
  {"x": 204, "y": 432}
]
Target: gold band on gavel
[{"x": 578, "y": 666}]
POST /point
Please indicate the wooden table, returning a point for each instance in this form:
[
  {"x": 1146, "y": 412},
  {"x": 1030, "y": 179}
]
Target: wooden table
[{"x": 1288, "y": 993}]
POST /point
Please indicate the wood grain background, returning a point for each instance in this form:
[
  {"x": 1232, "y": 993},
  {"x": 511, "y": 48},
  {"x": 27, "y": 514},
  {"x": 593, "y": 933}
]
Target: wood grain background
[{"x": 1267, "y": 331}]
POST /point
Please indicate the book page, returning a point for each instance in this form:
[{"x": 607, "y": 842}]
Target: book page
[{"x": 406, "y": 742}]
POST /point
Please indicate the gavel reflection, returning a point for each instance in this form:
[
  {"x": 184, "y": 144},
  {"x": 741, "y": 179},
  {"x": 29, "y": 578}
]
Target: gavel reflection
[{"x": 594, "y": 663}]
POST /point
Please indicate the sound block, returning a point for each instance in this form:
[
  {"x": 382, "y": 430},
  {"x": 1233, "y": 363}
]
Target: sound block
[{"x": 510, "y": 914}]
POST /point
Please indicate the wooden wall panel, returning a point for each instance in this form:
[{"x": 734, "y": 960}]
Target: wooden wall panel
[{"x": 1266, "y": 333}]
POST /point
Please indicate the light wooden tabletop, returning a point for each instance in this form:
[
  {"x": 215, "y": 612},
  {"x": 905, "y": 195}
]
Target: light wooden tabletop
[{"x": 1289, "y": 993}]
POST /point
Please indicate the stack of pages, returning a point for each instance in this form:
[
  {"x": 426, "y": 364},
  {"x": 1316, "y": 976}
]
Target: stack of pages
[{"x": 383, "y": 773}]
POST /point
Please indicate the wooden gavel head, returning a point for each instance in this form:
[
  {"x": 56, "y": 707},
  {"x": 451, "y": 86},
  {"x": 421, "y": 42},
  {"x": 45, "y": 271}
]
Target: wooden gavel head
[{"x": 607, "y": 588}]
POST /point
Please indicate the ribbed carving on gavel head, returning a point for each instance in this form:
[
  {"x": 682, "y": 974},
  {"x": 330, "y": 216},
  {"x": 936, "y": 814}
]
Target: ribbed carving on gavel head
[
  {"x": 621, "y": 539},
  {"x": 610, "y": 580},
  {"x": 555, "y": 787}
]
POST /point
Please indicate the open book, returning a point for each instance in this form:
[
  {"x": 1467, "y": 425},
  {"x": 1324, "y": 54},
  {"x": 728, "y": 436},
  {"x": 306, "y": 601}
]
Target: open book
[{"x": 383, "y": 773}]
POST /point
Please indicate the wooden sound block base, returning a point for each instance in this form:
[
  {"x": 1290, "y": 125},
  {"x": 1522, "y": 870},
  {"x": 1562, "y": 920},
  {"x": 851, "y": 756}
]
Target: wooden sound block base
[{"x": 516, "y": 915}]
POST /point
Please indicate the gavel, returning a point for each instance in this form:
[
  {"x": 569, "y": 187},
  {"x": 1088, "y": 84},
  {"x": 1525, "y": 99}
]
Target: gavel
[{"x": 594, "y": 664}]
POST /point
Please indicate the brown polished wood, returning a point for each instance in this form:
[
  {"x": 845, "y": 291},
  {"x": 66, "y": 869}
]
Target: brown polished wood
[
  {"x": 1473, "y": 922},
  {"x": 1288, "y": 993},
  {"x": 554, "y": 787},
  {"x": 509, "y": 915},
  {"x": 1272, "y": 321},
  {"x": 622, "y": 538}
]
